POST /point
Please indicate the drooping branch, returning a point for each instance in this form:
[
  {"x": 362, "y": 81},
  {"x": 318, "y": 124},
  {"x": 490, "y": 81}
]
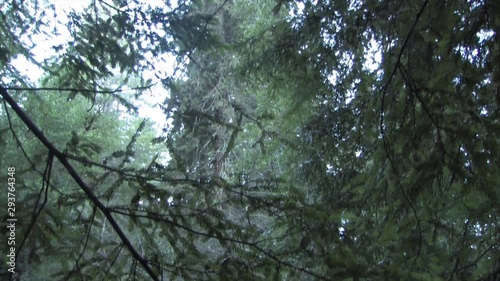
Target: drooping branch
[
  {"x": 118, "y": 90},
  {"x": 86, "y": 189}
]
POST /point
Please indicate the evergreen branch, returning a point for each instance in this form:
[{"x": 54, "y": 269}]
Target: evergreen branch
[
  {"x": 20, "y": 145},
  {"x": 78, "y": 90},
  {"x": 16, "y": 138},
  {"x": 87, "y": 237},
  {"x": 159, "y": 218},
  {"x": 78, "y": 179},
  {"x": 120, "y": 247},
  {"x": 396, "y": 66},
  {"x": 213, "y": 119},
  {"x": 254, "y": 245},
  {"x": 104, "y": 3},
  {"x": 287, "y": 264},
  {"x": 37, "y": 211},
  {"x": 382, "y": 130},
  {"x": 233, "y": 137},
  {"x": 205, "y": 27}
]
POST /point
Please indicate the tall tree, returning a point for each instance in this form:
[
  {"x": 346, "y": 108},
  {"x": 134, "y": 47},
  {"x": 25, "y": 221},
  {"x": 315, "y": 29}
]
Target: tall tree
[
  {"x": 111, "y": 171},
  {"x": 310, "y": 140},
  {"x": 400, "y": 154}
]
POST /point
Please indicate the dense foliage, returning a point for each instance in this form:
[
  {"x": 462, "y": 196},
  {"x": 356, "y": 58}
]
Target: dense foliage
[{"x": 304, "y": 140}]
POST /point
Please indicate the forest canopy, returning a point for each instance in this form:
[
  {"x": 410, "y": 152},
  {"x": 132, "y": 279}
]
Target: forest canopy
[{"x": 294, "y": 140}]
